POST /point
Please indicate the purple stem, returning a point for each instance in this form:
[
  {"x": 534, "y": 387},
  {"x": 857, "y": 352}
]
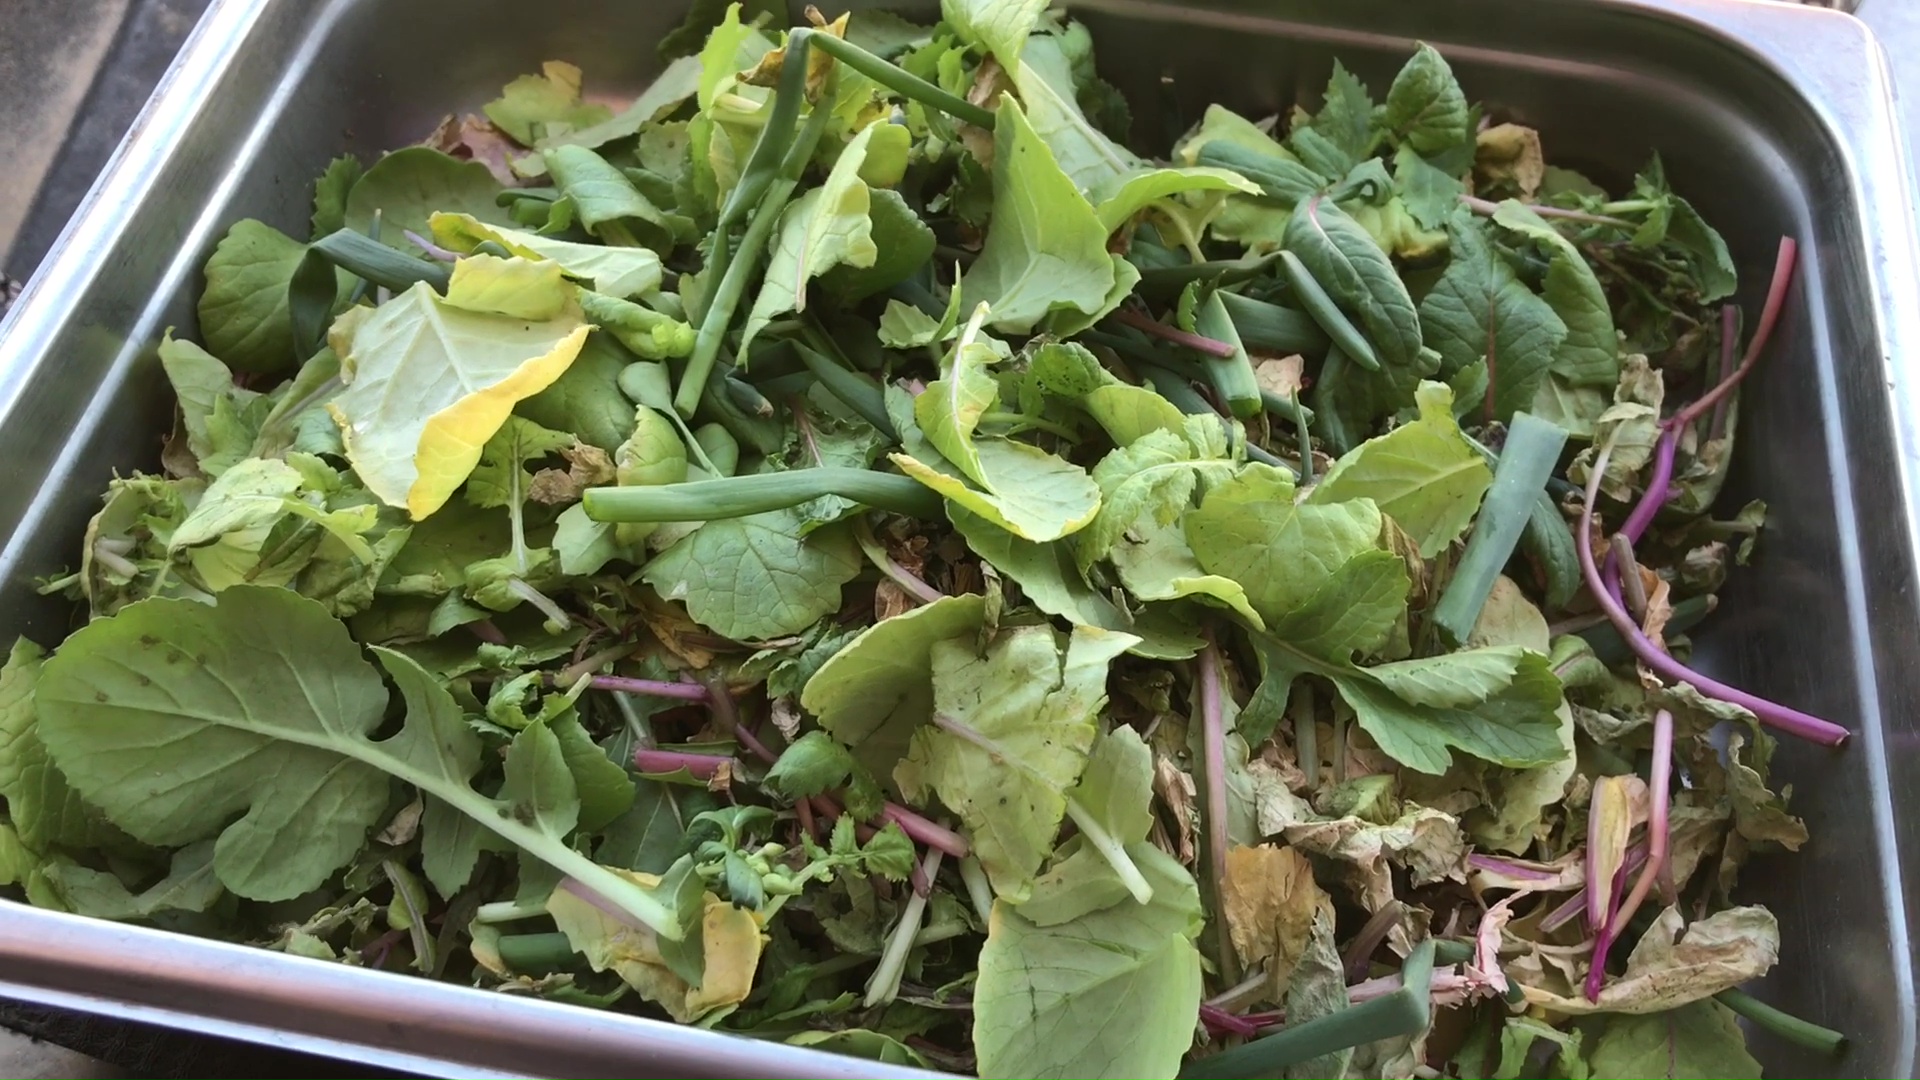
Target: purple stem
[
  {"x": 654, "y": 762},
  {"x": 1661, "y": 778},
  {"x": 1791, "y": 721},
  {"x": 1508, "y": 869},
  {"x": 1220, "y": 1021},
  {"x": 431, "y": 248},
  {"x": 1359, "y": 957},
  {"x": 1577, "y": 903},
  {"x": 1603, "y": 941},
  {"x": 927, "y": 832},
  {"x": 655, "y": 687},
  {"x": 1729, "y": 327},
  {"x": 1153, "y": 327}
]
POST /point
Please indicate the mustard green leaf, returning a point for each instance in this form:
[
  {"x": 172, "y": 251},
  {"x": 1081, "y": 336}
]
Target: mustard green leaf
[
  {"x": 243, "y": 312},
  {"x": 1028, "y": 716},
  {"x": 1049, "y": 94},
  {"x": 408, "y": 187},
  {"x": 1425, "y": 475},
  {"x": 46, "y": 811},
  {"x": 190, "y": 885},
  {"x": 1155, "y": 563},
  {"x": 517, "y": 288},
  {"x": 429, "y": 384},
  {"x": 1515, "y": 727},
  {"x": 1425, "y": 105},
  {"x": 950, "y": 409},
  {"x": 1699, "y": 1040},
  {"x": 330, "y": 193},
  {"x": 1119, "y": 198},
  {"x": 826, "y": 227},
  {"x": 756, "y": 577},
  {"x": 1000, "y": 27},
  {"x": 1116, "y": 789},
  {"x": 1113, "y": 993},
  {"x": 221, "y": 418},
  {"x": 1353, "y": 611},
  {"x": 584, "y": 545},
  {"x": 1046, "y": 250},
  {"x": 904, "y": 244},
  {"x": 1154, "y": 477},
  {"x": 1035, "y": 495},
  {"x": 500, "y": 477},
  {"x": 616, "y": 271},
  {"x": 602, "y": 195},
  {"x": 535, "y": 107},
  {"x": 1481, "y": 309},
  {"x": 586, "y": 398},
  {"x": 873, "y": 694},
  {"x": 1249, "y": 529},
  {"x": 603, "y": 786},
  {"x": 733, "y": 46},
  {"x": 1589, "y": 356}
]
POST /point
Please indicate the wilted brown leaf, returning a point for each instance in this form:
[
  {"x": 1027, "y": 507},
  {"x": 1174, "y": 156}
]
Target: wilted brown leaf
[
  {"x": 1269, "y": 898},
  {"x": 1510, "y": 154},
  {"x": 1675, "y": 963}
]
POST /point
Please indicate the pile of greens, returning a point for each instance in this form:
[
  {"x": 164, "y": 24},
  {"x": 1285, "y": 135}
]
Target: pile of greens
[{"x": 841, "y": 550}]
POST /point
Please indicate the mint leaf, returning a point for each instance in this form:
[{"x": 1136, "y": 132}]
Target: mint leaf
[
  {"x": 1358, "y": 276},
  {"x": 1425, "y": 475},
  {"x": 1425, "y": 106},
  {"x": 1589, "y": 356},
  {"x": 1046, "y": 251},
  {"x": 1115, "y": 992},
  {"x": 251, "y": 717},
  {"x": 1480, "y": 309},
  {"x": 757, "y": 577},
  {"x": 1346, "y": 117},
  {"x": 878, "y": 689},
  {"x": 1249, "y": 529},
  {"x": 1028, "y": 717},
  {"x": 243, "y": 313},
  {"x": 1702, "y": 1040}
]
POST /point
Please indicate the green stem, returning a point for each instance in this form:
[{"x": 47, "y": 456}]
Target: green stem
[
  {"x": 776, "y": 139},
  {"x": 1785, "y": 1025},
  {"x": 979, "y": 889},
  {"x": 1111, "y": 850},
  {"x": 902, "y": 81},
  {"x": 1302, "y": 422},
  {"x": 726, "y": 298},
  {"x": 856, "y": 391},
  {"x": 739, "y": 496},
  {"x": 885, "y": 983},
  {"x": 1529, "y": 458},
  {"x": 509, "y": 911},
  {"x": 886, "y": 564},
  {"x": 538, "y": 954},
  {"x": 1034, "y": 422}
]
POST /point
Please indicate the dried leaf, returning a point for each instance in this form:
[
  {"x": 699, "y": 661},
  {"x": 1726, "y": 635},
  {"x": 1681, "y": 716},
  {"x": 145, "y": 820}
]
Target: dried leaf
[{"x": 1269, "y": 898}]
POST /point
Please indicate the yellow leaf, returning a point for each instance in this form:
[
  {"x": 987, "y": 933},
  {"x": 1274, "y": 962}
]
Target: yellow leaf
[
  {"x": 519, "y": 288},
  {"x": 1269, "y": 896},
  {"x": 730, "y": 940},
  {"x": 428, "y": 384}
]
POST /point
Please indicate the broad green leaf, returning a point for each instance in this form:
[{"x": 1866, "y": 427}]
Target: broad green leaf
[
  {"x": 877, "y": 690},
  {"x": 1425, "y": 475},
  {"x": 602, "y": 195},
  {"x": 1425, "y": 106},
  {"x": 1046, "y": 251},
  {"x": 756, "y": 577},
  {"x": 1050, "y": 96},
  {"x": 584, "y": 545},
  {"x": 1431, "y": 195},
  {"x": 45, "y": 810},
  {"x": 1517, "y": 1039},
  {"x": 1480, "y": 309},
  {"x": 428, "y": 385},
  {"x": 500, "y": 478},
  {"x": 1359, "y": 277},
  {"x": 249, "y": 720},
  {"x": 228, "y": 531},
  {"x": 649, "y": 836},
  {"x": 1701, "y": 1040},
  {"x": 1677, "y": 963},
  {"x": 1116, "y": 789},
  {"x": 904, "y": 243},
  {"x": 1515, "y": 727},
  {"x": 1155, "y": 563},
  {"x": 1589, "y": 356},
  {"x": 1001, "y": 27},
  {"x": 330, "y": 193},
  {"x": 616, "y": 271},
  {"x": 828, "y": 226},
  {"x": 1575, "y": 408},
  {"x": 409, "y": 187},
  {"x": 604, "y": 789},
  {"x": 243, "y": 312},
  {"x": 733, "y": 46},
  {"x": 1118, "y": 199},
  {"x": 1031, "y": 716},
  {"x": 950, "y": 409},
  {"x": 1154, "y": 477},
  {"x": 1354, "y": 611},
  {"x": 1453, "y": 679},
  {"x": 1114, "y": 993},
  {"x": 532, "y": 107},
  {"x": 586, "y": 398},
  {"x": 1068, "y": 371},
  {"x": 190, "y": 885},
  {"x": 215, "y": 412},
  {"x": 517, "y": 288},
  {"x": 1249, "y": 529},
  {"x": 1035, "y": 495}
]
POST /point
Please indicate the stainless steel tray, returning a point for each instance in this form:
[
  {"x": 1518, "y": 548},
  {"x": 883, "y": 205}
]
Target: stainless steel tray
[{"x": 1773, "y": 119}]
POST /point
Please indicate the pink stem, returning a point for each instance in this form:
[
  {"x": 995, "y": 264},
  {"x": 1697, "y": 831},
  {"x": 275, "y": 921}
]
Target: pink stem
[
  {"x": 655, "y": 687},
  {"x": 1791, "y": 721},
  {"x": 1508, "y": 869},
  {"x": 1603, "y": 942},
  {"x": 702, "y": 766},
  {"x": 1769, "y": 315},
  {"x": 1571, "y": 908},
  {"x": 1657, "y": 832},
  {"x": 432, "y": 249},
  {"x": 1219, "y": 1021},
  {"x": 1596, "y": 900},
  {"x": 927, "y": 832},
  {"x": 1153, "y": 327}
]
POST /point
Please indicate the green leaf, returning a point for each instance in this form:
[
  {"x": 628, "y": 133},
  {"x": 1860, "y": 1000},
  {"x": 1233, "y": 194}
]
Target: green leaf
[
  {"x": 1425, "y": 475},
  {"x": 812, "y": 765},
  {"x": 516, "y": 287},
  {"x": 408, "y": 187},
  {"x": 1049, "y": 94},
  {"x": 499, "y": 478},
  {"x": 1249, "y": 529},
  {"x": 1001, "y": 27},
  {"x": 602, "y": 195},
  {"x": 584, "y": 545},
  {"x": 605, "y": 790},
  {"x": 532, "y": 107},
  {"x": 1153, "y": 477},
  {"x": 950, "y": 409},
  {"x": 429, "y": 384},
  {"x": 1698, "y": 1040},
  {"x": 735, "y": 45},
  {"x": 903, "y": 245},
  {"x": 586, "y": 398},
  {"x": 1113, "y": 993},
  {"x": 757, "y": 577},
  {"x": 1481, "y": 309},
  {"x": 827, "y": 227},
  {"x": 650, "y": 835},
  {"x": 190, "y": 885},
  {"x": 250, "y": 719},
  {"x": 1119, "y": 198},
  {"x": 1430, "y": 193},
  {"x": 1359, "y": 277},
  {"x": 1046, "y": 251},
  {"x": 1155, "y": 563},
  {"x": 330, "y": 194},
  {"x": 1425, "y": 106},
  {"x": 1353, "y": 612},
  {"x": 1589, "y": 356},
  {"x": 877, "y": 690},
  {"x": 857, "y": 1042},
  {"x": 1031, "y": 718},
  {"x": 1515, "y": 727},
  {"x": 243, "y": 312},
  {"x": 45, "y": 810},
  {"x": 1116, "y": 790},
  {"x": 678, "y": 82},
  {"x": 221, "y": 419},
  {"x": 1035, "y": 495},
  {"x": 1518, "y": 1037},
  {"x": 1346, "y": 117},
  {"x": 615, "y": 271}
]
